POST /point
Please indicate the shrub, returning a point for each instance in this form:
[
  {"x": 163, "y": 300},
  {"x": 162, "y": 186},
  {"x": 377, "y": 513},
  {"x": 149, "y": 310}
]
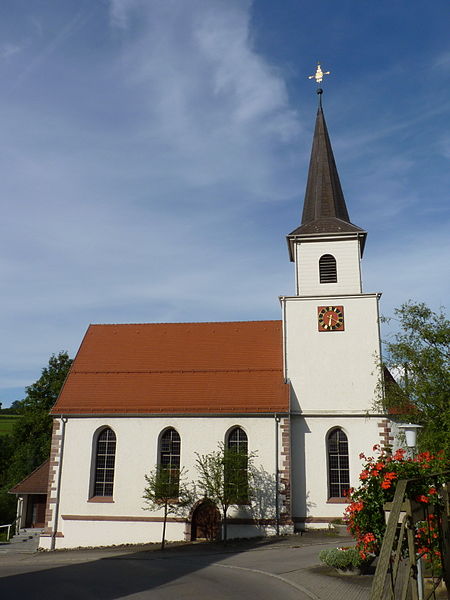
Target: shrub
[{"x": 341, "y": 558}]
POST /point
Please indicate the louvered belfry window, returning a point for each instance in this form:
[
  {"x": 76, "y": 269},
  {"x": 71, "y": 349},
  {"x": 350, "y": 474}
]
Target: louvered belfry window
[
  {"x": 104, "y": 463},
  {"x": 327, "y": 269},
  {"x": 338, "y": 465}
]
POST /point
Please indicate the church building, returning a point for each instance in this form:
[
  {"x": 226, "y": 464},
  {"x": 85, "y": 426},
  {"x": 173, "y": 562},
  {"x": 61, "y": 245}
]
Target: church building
[{"x": 298, "y": 392}]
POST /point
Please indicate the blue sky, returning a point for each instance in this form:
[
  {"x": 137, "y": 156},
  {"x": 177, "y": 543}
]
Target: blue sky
[{"x": 154, "y": 155}]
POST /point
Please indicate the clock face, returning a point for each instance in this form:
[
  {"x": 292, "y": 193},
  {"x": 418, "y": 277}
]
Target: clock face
[{"x": 330, "y": 318}]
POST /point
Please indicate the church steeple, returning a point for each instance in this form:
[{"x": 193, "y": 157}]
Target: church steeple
[{"x": 324, "y": 209}]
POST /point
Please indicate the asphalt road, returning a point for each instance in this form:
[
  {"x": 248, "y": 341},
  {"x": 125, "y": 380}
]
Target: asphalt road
[
  {"x": 134, "y": 576},
  {"x": 283, "y": 570}
]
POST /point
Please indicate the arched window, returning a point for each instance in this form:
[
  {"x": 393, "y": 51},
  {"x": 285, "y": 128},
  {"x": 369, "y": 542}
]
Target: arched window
[
  {"x": 237, "y": 440},
  {"x": 338, "y": 466},
  {"x": 170, "y": 449},
  {"x": 105, "y": 457},
  {"x": 327, "y": 269},
  {"x": 236, "y": 466},
  {"x": 169, "y": 463}
]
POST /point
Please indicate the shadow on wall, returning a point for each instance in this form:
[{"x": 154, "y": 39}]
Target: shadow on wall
[
  {"x": 301, "y": 505},
  {"x": 259, "y": 517},
  {"x": 262, "y": 508},
  {"x": 263, "y": 505}
]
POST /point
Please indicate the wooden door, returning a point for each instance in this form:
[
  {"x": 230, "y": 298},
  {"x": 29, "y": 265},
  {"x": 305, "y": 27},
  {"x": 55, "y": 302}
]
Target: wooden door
[
  {"x": 205, "y": 522},
  {"x": 37, "y": 513}
]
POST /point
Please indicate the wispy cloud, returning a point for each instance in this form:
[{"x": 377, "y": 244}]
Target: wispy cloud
[
  {"x": 55, "y": 41},
  {"x": 442, "y": 62},
  {"x": 124, "y": 221},
  {"x": 7, "y": 50},
  {"x": 212, "y": 102}
]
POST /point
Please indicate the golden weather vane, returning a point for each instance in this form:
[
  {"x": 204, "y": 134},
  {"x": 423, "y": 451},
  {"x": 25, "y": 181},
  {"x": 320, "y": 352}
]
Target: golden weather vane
[{"x": 318, "y": 76}]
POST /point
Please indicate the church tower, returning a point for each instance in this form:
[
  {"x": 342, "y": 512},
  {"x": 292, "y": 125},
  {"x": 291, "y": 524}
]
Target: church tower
[
  {"x": 326, "y": 237},
  {"x": 331, "y": 343}
]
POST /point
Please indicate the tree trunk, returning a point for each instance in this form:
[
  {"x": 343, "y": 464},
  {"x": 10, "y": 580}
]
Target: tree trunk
[
  {"x": 163, "y": 541},
  {"x": 225, "y": 523}
]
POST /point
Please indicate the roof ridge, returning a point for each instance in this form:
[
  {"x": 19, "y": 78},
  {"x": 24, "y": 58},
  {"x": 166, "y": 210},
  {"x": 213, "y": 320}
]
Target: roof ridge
[
  {"x": 185, "y": 323},
  {"x": 84, "y": 372}
]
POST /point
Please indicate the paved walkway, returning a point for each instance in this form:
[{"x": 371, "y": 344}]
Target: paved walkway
[
  {"x": 292, "y": 561},
  {"x": 295, "y": 560},
  {"x": 26, "y": 542}
]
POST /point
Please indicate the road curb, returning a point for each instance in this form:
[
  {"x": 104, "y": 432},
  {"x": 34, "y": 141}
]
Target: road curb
[{"x": 297, "y": 586}]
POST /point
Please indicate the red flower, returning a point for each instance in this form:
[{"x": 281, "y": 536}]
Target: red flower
[
  {"x": 422, "y": 498},
  {"x": 364, "y": 475},
  {"x": 399, "y": 454}
]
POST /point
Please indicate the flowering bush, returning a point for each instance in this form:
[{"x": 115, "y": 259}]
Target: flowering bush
[
  {"x": 427, "y": 543},
  {"x": 365, "y": 515}
]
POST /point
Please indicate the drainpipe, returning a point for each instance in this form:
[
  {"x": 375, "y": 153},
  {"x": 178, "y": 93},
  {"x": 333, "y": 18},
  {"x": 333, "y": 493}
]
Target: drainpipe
[
  {"x": 277, "y": 499},
  {"x": 19, "y": 514},
  {"x": 58, "y": 488}
]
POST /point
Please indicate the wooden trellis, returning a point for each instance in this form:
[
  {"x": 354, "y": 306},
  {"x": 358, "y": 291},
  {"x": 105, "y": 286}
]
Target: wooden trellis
[{"x": 398, "y": 575}]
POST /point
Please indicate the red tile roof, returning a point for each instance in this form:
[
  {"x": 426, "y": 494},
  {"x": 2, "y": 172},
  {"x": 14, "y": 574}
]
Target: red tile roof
[
  {"x": 35, "y": 483},
  {"x": 163, "y": 368}
]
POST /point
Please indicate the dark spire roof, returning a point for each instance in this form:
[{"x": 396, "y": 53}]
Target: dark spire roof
[{"x": 324, "y": 209}]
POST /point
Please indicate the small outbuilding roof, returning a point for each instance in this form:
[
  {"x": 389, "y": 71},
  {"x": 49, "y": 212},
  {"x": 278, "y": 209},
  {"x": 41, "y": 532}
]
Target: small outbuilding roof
[
  {"x": 181, "y": 368},
  {"x": 35, "y": 483}
]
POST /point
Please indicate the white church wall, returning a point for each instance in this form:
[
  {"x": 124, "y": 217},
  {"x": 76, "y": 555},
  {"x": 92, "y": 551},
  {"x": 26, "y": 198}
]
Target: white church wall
[
  {"x": 86, "y": 521},
  {"x": 346, "y": 253},
  {"x": 79, "y": 534},
  {"x": 309, "y": 463},
  {"x": 332, "y": 370}
]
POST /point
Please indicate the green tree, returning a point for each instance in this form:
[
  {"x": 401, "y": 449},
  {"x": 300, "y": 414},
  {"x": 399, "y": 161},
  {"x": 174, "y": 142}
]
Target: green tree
[
  {"x": 29, "y": 443},
  {"x": 167, "y": 489},
  {"x": 225, "y": 478},
  {"x": 7, "y": 501},
  {"x": 32, "y": 432},
  {"x": 419, "y": 357}
]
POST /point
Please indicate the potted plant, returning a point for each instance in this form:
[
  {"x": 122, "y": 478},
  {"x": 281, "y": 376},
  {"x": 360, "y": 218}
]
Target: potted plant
[{"x": 339, "y": 527}]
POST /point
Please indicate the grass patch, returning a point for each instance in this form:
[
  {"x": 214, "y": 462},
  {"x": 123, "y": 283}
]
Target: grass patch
[{"x": 7, "y": 423}]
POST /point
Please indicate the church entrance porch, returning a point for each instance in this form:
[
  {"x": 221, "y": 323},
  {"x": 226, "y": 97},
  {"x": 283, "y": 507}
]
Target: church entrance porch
[{"x": 205, "y": 522}]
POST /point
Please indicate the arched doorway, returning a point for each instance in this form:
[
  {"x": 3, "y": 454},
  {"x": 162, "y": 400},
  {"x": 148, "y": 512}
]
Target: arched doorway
[{"x": 205, "y": 522}]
